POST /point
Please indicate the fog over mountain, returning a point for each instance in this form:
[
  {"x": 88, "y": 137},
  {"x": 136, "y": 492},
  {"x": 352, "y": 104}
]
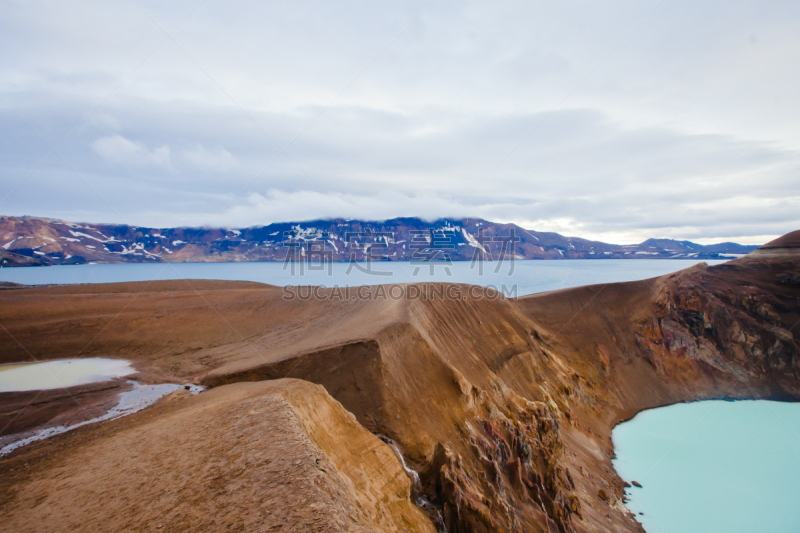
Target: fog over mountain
[{"x": 603, "y": 120}]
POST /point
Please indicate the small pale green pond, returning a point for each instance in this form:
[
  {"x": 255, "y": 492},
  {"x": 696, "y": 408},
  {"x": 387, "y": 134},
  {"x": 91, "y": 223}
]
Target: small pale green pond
[
  {"x": 713, "y": 467},
  {"x": 61, "y": 373},
  {"x": 64, "y": 373}
]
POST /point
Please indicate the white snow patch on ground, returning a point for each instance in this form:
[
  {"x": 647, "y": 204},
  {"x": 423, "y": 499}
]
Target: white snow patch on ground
[
  {"x": 472, "y": 240},
  {"x": 132, "y": 250},
  {"x": 307, "y": 234},
  {"x": 532, "y": 235},
  {"x": 79, "y": 234}
]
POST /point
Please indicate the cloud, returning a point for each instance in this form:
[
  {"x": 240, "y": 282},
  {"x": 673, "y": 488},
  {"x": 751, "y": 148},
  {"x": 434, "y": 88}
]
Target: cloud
[
  {"x": 618, "y": 123},
  {"x": 214, "y": 159},
  {"x": 277, "y": 206},
  {"x": 740, "y": 221},
  {"x": 120, "y": 150}
]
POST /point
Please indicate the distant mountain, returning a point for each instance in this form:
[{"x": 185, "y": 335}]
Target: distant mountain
[{"x": 30, "y": 241}]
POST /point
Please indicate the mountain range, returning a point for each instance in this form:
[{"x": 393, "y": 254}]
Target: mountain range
[{"x": 33, "y": 241}]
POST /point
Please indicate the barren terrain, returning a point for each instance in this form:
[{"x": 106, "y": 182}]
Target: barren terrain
[{"x": 504, "y": 407}]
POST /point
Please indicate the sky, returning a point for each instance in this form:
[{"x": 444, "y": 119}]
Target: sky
[{"x": 610, "y": 120}]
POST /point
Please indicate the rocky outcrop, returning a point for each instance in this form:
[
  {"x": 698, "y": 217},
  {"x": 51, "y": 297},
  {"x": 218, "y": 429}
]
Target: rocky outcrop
[
  {"x": 742, "y": 331},
  {"x": 520, "y": 454}
]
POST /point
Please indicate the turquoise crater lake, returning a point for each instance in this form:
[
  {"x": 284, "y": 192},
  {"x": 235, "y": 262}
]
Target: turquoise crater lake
[{"x": 713, "y": 467}]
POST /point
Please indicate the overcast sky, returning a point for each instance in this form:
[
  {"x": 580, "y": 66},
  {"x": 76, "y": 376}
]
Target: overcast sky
[{"x": 613, "y": 120}]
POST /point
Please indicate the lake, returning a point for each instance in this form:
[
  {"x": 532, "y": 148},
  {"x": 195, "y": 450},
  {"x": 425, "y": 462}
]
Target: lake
[
  {"x": 527, "y": 277},
  {"x": 713, "y": 467}
]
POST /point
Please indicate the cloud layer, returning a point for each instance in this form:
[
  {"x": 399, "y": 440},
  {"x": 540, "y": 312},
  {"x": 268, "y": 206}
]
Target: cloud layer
[{"x": 605, "y": 120}]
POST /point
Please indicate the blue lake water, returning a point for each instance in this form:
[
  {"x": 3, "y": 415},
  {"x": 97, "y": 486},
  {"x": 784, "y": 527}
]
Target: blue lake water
[
  {"x": 527, "y": 276},
  {"x": 713, "y": 467}
]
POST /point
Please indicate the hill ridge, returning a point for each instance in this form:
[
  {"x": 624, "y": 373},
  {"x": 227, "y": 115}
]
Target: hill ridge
[{"x": 32, "y": 241}]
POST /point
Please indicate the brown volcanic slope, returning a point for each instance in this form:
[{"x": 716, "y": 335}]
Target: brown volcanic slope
[
  {"x": 276, "y": 455},
  {"x": 505, "y": 407}
]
